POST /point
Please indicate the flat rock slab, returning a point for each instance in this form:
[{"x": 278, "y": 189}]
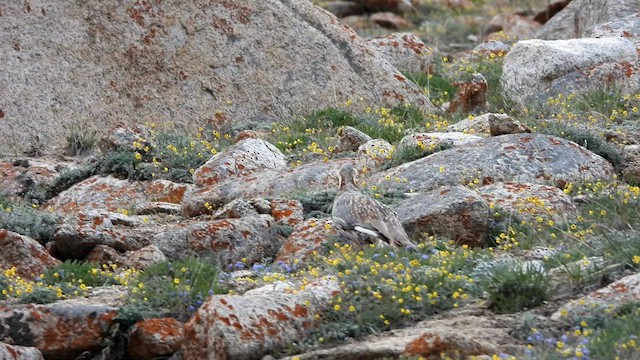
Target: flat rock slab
[
  {"x": 530, "y": 202},
  {"x": 111, "y": 194},
  {"x": 221, "y": 62},
  {"x": 61, "y": 331},
  {"x": 9, "y": 352},
  {"x": 534, "y": 158},
  {"x": 308, "y": 236}
]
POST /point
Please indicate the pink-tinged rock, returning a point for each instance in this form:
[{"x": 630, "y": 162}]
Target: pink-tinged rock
[
  {"x": 390, "y": 20},
  {"x": 111, "y": 194},
  {"x": 81, "y": 232},
  {"x": 145, "y": 257},
  {"x": 277, "y": 183},
  {"x": 16, "y": 176},
  {"x": 103, "y": 254},
  {"x": 512, "y": 26},
  {"x": 529, "y": 202},
  {"x": 61, "y": 331},
  {"x": 307, "y": 237},
  {"x": 250, "y": 326},
  {"x": 154, "y": 338},
  {"x": 122, "y": 138},
  {"x": 405, "y": 51},
  {"x": 227, "y": 240},
  {"x": 287, "y": 212},
  {"x": 25, "y": 254},
  {"x": 454, "y": 212},
  {"x": 607, "y": 298},
  {"x": 344, "y": 8},
  {"x": 9, "y": 352},
  {"x": 244, "y": 158}
]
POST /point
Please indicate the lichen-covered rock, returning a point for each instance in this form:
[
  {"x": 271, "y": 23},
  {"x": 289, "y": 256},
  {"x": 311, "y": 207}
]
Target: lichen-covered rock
[
  {"x": 61, "y": 331},
  {"x": 17, "y": 177},
  {"x": 533, "y": 158},
  {"x": 479, "y": 124},
  {"x": 269, "y": 183},
  {"x": 350, "y": 138},
  {"x": 307, "y": 237},
  {"x": 221, "y": 63},
  {"x": 374, "y": 153},
  {"x": 243, "y": 158},
  {"x": 29, "y": 258},
  {"x": 81, "y": 232},
  {"x": 405, "y": 51},
  {"x": 504, "y": 126},
  {"x": 286, "y": 212},
  {"x": 630, "y": 167},
  {"x": 121, "y": 138},
  {"x": 540, "y": 68},
  {"x": 453, "y": 212},
  {"x": 9, "y": 352},
  {"x": 581, "y": 15},
  {"x": 227, "y": 240},
  {"x": 154, "y": 338},
  {"x": 250, "y": 326},
  {"x": 389, "y": 20},
  {"x": 111, "y": 194},
  {"x": 531, "y": 202},
  {"x": 627, "y": 27},
  {"x": 429, "y": 142},
  {"x": 625, "y": 290}
]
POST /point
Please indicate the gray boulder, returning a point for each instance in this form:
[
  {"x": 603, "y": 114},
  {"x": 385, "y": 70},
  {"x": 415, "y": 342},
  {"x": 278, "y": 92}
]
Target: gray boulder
[{"x": 234, "y": 63}]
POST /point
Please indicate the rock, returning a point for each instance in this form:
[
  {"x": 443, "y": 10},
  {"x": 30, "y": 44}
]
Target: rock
[
  {"x": 122, "y": 138},
  {"x": 153, "y": 338},
  {"x": 630, "y": 167},
  {"x": 513, "y": 26},
  {"x": 390, "y": 20},
  {"x": 268, "y": 183},
  {"x": 539, "y": 68},
  {"x": 453, "y": 212},
  {"x": 533, "y": 158},
  {"x": 530, "y": 202},
  {"x": 492, "y": 47},
  {"x": 80, "y": 233},
  {"x": 374, "y": 153},
  {"x": 627, "y": 27},
  {"x": 568, "y": 279},
  {"x": 156, "y": 207},
  {"x": 471, "y": 96},
  {"x": 373, "y": 6},
  {"x": 405, "y": 51},
  {"x": 103, "y": 254},
  {"x": 243, "y": 158},
  {"x": 581, "y": 15},
  {"x": 350, "y": 139},
  {"x": 120, "y": 62},
  {"x": 550, "y": 11},
  {"x": 9, "y": 352},
  {"x": 344, "y": 8},
  {"x": 144, "y": 257},
  {"x": 499, "y": 125},
  {"x": 61, "y": 331},
  {"x": 29, "y": 258},
  {"x": 236, "y": 209},
  {"x": 479, "y": 124},
  {"x": 309, "y": 236},
  {"x": 431, "y": 141},
  {"x": 228, "y": 241},
  {"x": 608, "y": 298},
  {"x": 111, "y": 194},
  {"x": 286, "y": 212},
  {"x": 18, "y": 177},
  {"x": 251, "y": 326},
  {"x": 460, "y": 336}
]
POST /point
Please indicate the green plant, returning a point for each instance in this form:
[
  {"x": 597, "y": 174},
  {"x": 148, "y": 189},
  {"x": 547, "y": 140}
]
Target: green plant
[
  {"x": 175, "y": 288},
  {"x": 39, "y": 295},
  {"x": 26, "y": 220},
  {"x": 513, "y": 287},
  {"x": 77, "y": 272},
  {"x": 618, "y": 336},
  {"x": 80, "y": 140}
]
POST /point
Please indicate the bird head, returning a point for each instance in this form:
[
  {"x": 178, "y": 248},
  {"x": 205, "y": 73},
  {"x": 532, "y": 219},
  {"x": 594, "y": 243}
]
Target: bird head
[{"x": 347, "y": 176}]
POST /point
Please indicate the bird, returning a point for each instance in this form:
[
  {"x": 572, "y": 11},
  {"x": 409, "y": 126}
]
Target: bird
[{"x": 361, "y": 219}]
